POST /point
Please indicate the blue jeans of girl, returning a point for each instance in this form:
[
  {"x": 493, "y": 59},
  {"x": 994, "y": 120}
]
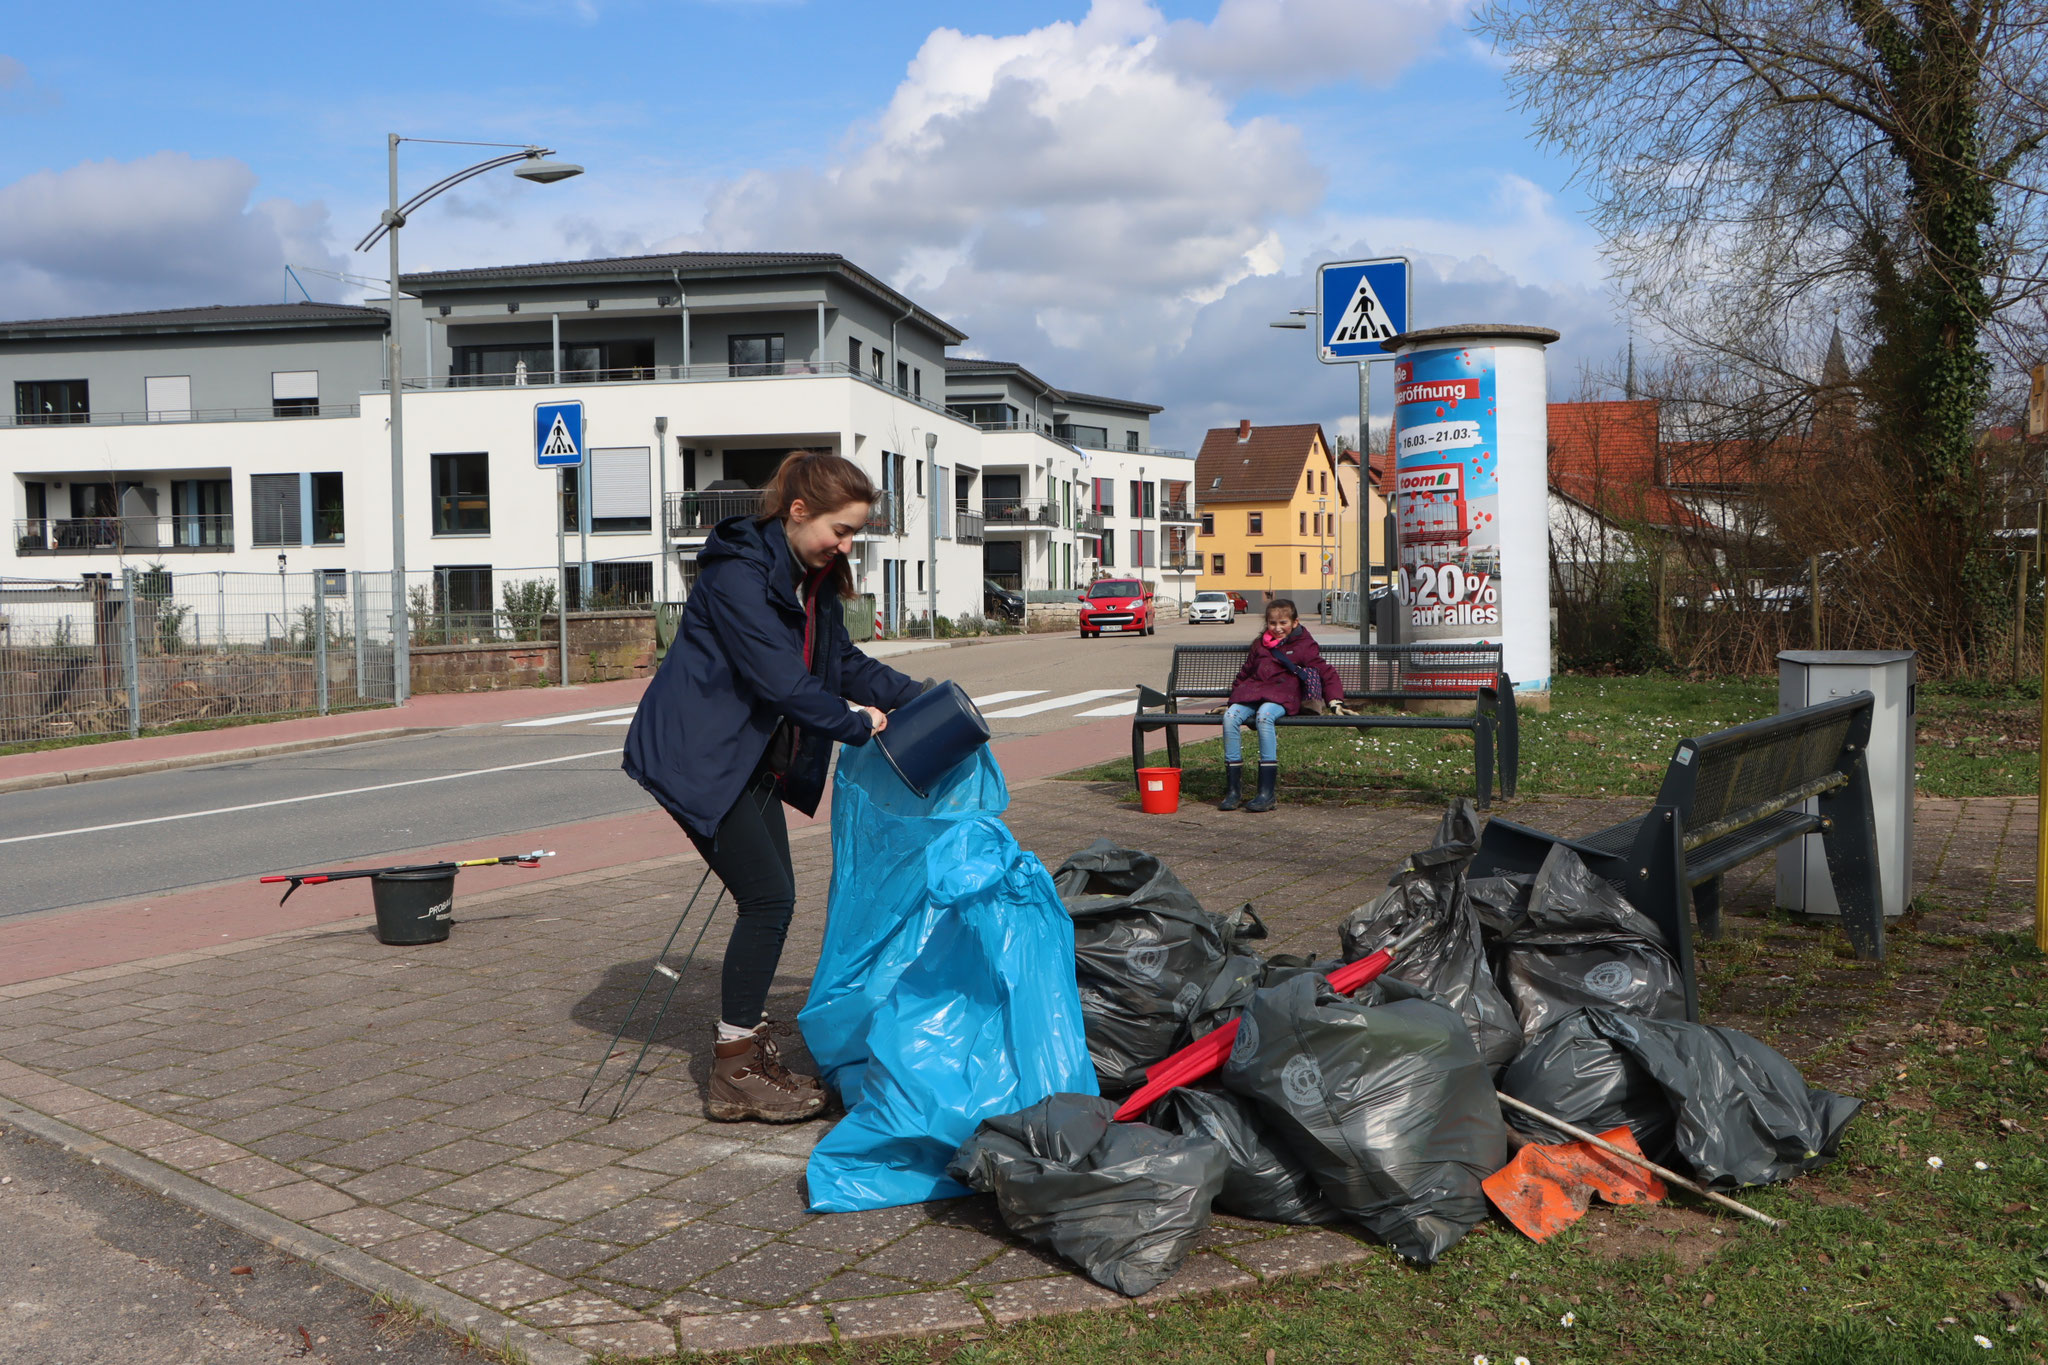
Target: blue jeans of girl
[{"x": 1235, "y": 716}]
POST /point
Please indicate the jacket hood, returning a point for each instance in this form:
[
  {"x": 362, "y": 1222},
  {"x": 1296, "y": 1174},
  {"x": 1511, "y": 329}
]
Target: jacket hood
[{"x": 765, "y": 545}]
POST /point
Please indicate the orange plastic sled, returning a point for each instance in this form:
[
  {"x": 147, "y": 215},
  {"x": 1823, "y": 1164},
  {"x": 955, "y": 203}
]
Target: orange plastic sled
[{"x": 1547, "y": 1187}]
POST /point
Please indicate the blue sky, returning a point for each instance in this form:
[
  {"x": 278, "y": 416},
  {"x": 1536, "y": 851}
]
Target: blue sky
[{"x": 1118, "y": 194}]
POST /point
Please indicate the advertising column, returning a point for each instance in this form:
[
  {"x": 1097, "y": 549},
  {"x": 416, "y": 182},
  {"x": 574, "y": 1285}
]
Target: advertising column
[{"x": 1471, "y": 491}]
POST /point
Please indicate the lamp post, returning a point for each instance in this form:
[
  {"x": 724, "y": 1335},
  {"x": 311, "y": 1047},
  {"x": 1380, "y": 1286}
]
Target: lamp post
[
  {"x": 1322, "y": 564},
  {"x": 536, "y": 168}
]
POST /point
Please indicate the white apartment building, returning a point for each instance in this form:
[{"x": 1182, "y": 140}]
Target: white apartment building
[{"x": 257, "y": 437}]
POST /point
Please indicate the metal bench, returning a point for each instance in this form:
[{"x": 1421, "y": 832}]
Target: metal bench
[
  {"x": 1729, "y": 797},
  {"x": 1370, "y": 673}
]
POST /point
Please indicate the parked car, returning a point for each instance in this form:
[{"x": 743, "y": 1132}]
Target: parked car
[
  {"x": 998, "y": 601},
  {"x": 1212, "y": 606},
  {"x": 1120, "y": 606},
  {"x": 1237, "y": 601}
]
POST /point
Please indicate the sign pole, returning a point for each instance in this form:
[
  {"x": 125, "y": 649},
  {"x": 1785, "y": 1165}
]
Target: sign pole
[
  {"x": 1364, "y": 505},
  {"x": 561, "y": 586}
]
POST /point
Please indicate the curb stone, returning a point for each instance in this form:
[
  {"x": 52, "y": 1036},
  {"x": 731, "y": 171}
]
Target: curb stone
[
  {"x": 345, "y": 1262},
  {"x": 72, "y": 776}
]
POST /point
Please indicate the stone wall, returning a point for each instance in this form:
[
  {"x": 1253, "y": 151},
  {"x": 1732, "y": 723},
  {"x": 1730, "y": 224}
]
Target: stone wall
[{"x": 604, "y": 646}]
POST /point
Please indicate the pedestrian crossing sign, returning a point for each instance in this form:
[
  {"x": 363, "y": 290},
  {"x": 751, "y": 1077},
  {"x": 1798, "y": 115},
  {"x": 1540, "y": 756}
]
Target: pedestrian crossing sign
[
  {"x": 1362, "y": 303},
  {"x": 558, "y": 435}
]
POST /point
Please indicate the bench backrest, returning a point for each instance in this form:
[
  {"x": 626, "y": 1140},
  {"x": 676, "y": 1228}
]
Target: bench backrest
[
  {"x": 1371, "y": 672},
  {"x": 1715, "y": 776}
]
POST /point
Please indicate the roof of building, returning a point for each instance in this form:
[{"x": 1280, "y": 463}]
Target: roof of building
[
  {"x": 1266, "y": 467},
  {"x": 1605, "y": 456},
  {"x": 663, "y": 266},
  {"x": 219, "y": 317},
  {"x": 966, "y": 367}
]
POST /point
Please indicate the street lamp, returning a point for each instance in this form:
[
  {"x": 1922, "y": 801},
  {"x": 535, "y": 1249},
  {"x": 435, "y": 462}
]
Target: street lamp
[{"x": 531, "y": 164}]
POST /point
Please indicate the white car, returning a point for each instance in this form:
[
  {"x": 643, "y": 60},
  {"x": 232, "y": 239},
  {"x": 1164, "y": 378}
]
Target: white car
[{"x": 1212, "y": 606}]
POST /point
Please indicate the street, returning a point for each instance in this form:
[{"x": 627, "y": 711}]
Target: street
[{"x": 117, "y": 840}]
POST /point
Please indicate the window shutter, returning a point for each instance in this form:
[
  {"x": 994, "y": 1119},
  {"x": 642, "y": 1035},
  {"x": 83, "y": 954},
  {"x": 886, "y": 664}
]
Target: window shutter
[
  {"x": 618, "y": 482},
  {"x": 274, "y": 510},
  {"x": 295, "y": 384},
  {"x": 168, "y": 398}
]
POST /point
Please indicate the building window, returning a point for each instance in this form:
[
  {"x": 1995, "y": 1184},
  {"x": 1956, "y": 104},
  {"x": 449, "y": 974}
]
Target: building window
[
  {"x": 1324, "y": 479},
  {"x": 920, "y": 575},
  {"x": 462, "y": 494},
  {"x": 624, "y": 584},
  {"x": 853, "y": 356},
  {"x": 875, "y": 363},
  {"x": 330, "y": 526},
  {"x": 619, "y": 496},
  {"x": 1311, "y": 481},
  {"x": 1301, "y": 527},
  {"x": 917, "y": 383},
  {"x": 760, "y": 353},
  {"x": 1216, "y": 564},
  {"x": 1105, "y": 497},
  {"x": 1303, "y": 566},
  {"x": 50, "y": 402},
  {"x": 167, "y": 398},
  {"x": 1095, "y": 438},
  {"x": 1108, "y": 544},
  {"x": 1143, "y": 494},
  {"x": 1255, "y": 565},
  {"x": 201, "y": 514},
  {"x": 1209, "y": 526},
  {"x": 1143, "y": 546},
  {"x": 462, "y": 596},
  {"x": 1130, "y": 440},
  {"x": 274, "y": 510},
  {"x": 1255, "y": 524},
  {"x": 994, "y": 416},
  {"x": 295, "y": 393},
  {"x": 903, "y": 376}
]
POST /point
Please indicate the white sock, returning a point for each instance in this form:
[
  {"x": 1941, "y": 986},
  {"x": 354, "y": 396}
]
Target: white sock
[{"x": 732, "y": 1033}]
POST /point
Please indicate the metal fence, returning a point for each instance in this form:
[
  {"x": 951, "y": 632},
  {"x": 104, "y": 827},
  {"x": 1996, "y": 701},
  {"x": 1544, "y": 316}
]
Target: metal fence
[{"x": 100, "y": 655}]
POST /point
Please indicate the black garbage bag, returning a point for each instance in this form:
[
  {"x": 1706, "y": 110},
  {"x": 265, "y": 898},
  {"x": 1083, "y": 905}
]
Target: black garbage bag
[
  {"x": 1575, "y": 1072},
  {"x": 1145, "y": 956},
  {"x": 1384, "y": 1099},
  {"x": 1450, "y": 961},
  {"x": 1738, "y": 1112},
  {"x": 1126, "y": 1202},
  {"x": 1266, "y": 1180},
  {"x": 1579, "y": 944}
]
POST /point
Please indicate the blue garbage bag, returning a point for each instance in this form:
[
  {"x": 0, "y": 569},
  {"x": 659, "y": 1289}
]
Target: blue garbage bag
[{"x": 945, "y": 990}]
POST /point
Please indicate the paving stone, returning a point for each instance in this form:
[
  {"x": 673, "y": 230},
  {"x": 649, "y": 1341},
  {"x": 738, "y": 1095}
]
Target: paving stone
[
  {"x": 147, "y": 1133},
  {"x": 639, "y": 1299},
  {"x": 779, "y": 1208},
  {"x": 503, "y": 1231},
  {"x": 365, "y": 1227},
  {"x": 732, "y": 1179},
  {"x": 361, "y": 1123},
  {"x": 588, "y": 1194},
  {"x": 465, "y": 1157},
  {"x": 754, "y": 1331},
  {"x": 1295, "y": 1253},
  {"x": 577, "y": 1309},
  {"x": 544, "y": 1128},
  {"x": 262, "y": 1123},
  {"x": 1219, "y": 1234},
  {"x": 492, "y": 1113},
  {"x": 1202, "y": 1274},
  {"x": 394, "y": 1183},
  {"x": 852, "y": 1284},
  {"x": 567, "y": 1257},
  {"x": 248, "y": 1175},
  {"x": 488, "y": 1189},
  {"x": 1020, "y": 1263},
  {"x": 307, "y": 1199},
  {"x": 776, "y": 1274},
  {"x": 569, "y": 1158},
  {"x": 504, "y": 1284},
  {"x": 934, "y": 1255},
  {"x": 642, "y": 1220},
  {"x": 858, "y": 1232},
  {"x": 394, "y": 1146},
  {"x": 1009, "y": 1303},
  {"x": 946, "y": 1310},
  {"x": 668, "y": 1263},
  {"x": 690, "y": 1304},
  {"x": 642, "y": 1129},
  {"x": 633, "y": 1339},
  {"x": 691, "y": 1151},
  {"x": 432, "y": 1254},
  {"x": 289, "y": 1146},
  {"x": 192, "y": 1154}
]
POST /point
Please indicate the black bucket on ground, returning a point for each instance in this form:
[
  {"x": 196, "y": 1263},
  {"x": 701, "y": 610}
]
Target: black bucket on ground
[{"x": 414, "y": 906}]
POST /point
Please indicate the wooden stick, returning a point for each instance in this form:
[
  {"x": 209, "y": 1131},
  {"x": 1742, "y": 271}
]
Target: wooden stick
[{"x": 1639, "y": 1159}]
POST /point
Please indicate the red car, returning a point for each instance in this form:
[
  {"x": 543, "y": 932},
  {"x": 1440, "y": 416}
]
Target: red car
[
  {"x": 1237, "y": 600},
  {"x": 1119, "y": 606}
]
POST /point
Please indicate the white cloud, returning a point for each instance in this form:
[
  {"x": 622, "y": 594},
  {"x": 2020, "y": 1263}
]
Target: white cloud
[
  {"x": 1297, "y": 45},
  {"x": 163, "y": 231}
]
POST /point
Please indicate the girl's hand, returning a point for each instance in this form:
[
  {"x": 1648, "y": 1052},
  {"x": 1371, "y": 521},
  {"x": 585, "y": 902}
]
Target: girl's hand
[{"x": 877, "y": 722}]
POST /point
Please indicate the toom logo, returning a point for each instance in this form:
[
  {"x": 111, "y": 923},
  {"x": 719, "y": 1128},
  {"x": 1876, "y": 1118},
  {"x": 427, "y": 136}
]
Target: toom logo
[
  {"x": 1441, "y": 478},
  {"x": 1437, "y": 391}
]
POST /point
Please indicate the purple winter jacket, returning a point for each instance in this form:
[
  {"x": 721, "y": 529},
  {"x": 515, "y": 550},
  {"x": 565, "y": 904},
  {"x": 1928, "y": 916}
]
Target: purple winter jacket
[{"x": 1264, "y": 678}]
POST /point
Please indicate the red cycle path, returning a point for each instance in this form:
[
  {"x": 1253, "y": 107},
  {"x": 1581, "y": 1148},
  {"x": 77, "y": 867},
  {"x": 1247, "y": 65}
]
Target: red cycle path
[{"x": 68, "y": 941}]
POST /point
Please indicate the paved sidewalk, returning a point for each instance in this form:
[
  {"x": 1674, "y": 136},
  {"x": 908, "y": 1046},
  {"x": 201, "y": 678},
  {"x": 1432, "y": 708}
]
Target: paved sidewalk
[{"x": 411, "y": 1112}]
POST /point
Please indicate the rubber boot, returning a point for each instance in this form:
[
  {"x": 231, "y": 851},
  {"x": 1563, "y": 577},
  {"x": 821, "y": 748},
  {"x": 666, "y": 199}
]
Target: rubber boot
[
  {"x": 1269, "y": 777},
  {"x": 1233, "y": 787},
  {"x": 749, "y": 1082}
]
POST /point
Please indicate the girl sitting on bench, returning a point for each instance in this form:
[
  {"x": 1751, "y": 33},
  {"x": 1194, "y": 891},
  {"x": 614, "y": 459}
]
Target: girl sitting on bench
[{"x": 1283, "y": 675}]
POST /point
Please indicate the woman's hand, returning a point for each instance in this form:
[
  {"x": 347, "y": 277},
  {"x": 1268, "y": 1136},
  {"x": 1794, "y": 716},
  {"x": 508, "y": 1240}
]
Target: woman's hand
[{"x": 877, "y": 721}]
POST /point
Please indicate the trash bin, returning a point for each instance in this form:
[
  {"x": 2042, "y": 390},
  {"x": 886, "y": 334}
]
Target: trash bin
[
  {"x": 413, "y": 906},
  {"x": 668, "y": 619},
  {"x": 1159, "y": 790},
  {"x": 1808, "y": 676}
]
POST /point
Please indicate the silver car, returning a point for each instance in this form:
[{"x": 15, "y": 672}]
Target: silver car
[{"x": 1212, "y": 606}]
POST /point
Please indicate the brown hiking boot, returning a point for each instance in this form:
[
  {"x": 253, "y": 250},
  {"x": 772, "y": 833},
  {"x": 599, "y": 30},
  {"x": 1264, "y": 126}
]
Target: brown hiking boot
[{"x": 749, "y": 1082}]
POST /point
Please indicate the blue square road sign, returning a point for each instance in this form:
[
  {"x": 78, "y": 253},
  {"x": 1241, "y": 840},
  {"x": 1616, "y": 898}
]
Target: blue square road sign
[
  {"x": 1361, "y": 304},
  {"x": 558, "y": 435}
]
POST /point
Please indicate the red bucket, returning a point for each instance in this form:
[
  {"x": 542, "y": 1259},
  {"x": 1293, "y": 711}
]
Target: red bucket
[{"x": 1159, "y": 790}]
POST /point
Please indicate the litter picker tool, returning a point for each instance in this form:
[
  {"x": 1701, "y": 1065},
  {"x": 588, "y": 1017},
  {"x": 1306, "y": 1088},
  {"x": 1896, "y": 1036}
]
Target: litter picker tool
[
  {"x": 660, "y": 969},
  {"x": 299, "y": 879},
  {"x": 1207, "y": 1053}
]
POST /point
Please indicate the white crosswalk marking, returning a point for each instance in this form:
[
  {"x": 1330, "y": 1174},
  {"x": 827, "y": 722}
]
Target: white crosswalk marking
[
  {"x": 571, "y": 720},
  {"x": 623, "y": 720},
  {"x": 996, "y": 698},
  {"x": 1055, "y": 703},
  {"x": 1122, "y": 708}
]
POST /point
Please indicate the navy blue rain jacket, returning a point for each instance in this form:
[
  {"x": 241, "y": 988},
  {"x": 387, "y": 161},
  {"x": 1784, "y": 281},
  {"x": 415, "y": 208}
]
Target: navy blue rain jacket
[{"x": 736, "y": 670}]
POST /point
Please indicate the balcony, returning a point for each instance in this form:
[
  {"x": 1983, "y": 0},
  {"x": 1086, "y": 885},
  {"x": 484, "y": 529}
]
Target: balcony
[
  {"x": 1089, "y": 523},
  {"x": 1188, "y": 563},
  {"x": 967, "y": 525},
  {"x": 124, "y": 535},
  {"x": 119, "y": 419},
  {"x": 885, "y": 517},
  {"x": 694, "y": 514},
  {"x": 1036, "y": 513},
  {"x": 1177, "y": 511}
]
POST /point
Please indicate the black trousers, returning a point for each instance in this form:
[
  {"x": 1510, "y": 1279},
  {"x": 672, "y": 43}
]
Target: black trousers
[{"x": 750, "y": 854}]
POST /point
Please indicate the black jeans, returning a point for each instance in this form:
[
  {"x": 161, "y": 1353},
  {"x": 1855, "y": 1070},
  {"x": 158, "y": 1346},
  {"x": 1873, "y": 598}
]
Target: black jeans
[{"x": 750, "y": 854}]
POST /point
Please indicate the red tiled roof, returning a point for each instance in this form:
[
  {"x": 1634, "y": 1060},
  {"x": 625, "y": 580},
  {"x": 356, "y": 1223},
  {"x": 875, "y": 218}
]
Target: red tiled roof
[
  {"x": 1265, "y": 468},
  {"x": 1604, "y": 455}
]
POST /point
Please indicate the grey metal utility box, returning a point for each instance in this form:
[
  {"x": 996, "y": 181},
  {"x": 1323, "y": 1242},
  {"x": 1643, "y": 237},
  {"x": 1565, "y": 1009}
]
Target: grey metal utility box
[{"x": 1806, "y": 676}]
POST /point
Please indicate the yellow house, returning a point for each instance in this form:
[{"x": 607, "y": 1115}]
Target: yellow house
[{"x": 1278, "y": 515}]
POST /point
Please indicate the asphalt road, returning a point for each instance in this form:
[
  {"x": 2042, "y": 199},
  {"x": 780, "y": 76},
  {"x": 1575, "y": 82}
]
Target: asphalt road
[{"x": 127, "y": 838}]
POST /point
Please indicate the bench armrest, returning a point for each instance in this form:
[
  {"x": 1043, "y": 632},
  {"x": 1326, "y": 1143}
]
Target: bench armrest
[{"x": 1148, "y": 696}]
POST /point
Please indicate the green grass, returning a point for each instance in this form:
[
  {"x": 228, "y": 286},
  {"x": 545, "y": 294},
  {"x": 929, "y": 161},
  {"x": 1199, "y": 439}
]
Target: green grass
[
  {"x": 1609, "y": 736},
  {"x": 1883, "y": 1258},
  {"x": 182, "y": 727}
]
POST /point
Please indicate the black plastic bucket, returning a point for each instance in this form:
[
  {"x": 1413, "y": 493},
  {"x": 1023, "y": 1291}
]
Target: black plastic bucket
[
  {"x": 930, "y": 734},
  {"x": 414, "y": 907}
]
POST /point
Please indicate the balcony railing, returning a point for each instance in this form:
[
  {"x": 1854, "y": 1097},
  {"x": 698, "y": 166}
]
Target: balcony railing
[
  {"x": 123, "y": 535},
  {"x": 162, "y": 418},
  {"x": 694, "y": 514},
  {"x": 885, "y": 517},
  {"x": 1089, "y": 523},
  {"x": 1176, "y": 511},
  {"x": 1047, "y": 430},
  {"x": 967, "y": 524},
  {"x": 1189, "y": 563},
  {"x": 1020, "y": 511}
]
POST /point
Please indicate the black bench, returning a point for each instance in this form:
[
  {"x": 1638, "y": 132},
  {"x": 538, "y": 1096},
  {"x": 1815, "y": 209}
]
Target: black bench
[
  {"x": 1727, "y": 798},
  {"x": 1370, "y": 673}
]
